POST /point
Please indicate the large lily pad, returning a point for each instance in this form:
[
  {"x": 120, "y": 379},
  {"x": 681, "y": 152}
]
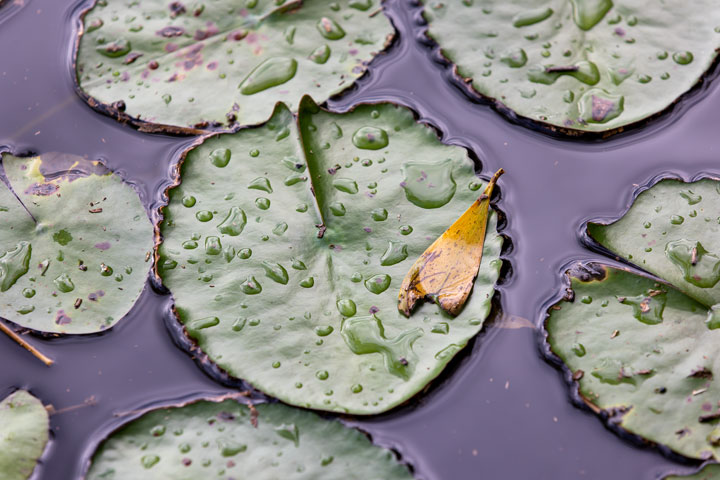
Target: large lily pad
[
  {"x": 217, "y": 62},
  {"x": 709, "y": 472},
  {"x": 581, "y": 65},
  {"x": 75, "y": 244},
  {"x": 643, "y": 348},
  {"x": 314, "y": 321},
  {"x": 24, "y": 426},
  {"x": 208, "y": 439}
]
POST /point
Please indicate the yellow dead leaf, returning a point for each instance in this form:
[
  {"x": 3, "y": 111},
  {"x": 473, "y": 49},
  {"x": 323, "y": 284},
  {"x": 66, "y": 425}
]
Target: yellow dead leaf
[{"x": 446, "y": 271}]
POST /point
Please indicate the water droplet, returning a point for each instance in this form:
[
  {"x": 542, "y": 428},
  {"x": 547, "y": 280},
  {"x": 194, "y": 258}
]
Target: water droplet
[
  {"x": 379, "y": 214},
  {"x": 692, "y": 198},
  {"x": 322, "y": 375},
  {"x": 370, "y": 138},
  {"x": 345, "y": 185},
  {"x": 276, "y": 364},
  {"x": 189, "y": 244},
  {"x": 713, "y": 317},
  {"x": 614, "y": 372},
  {"x": 330, "y": 29},
  {"x": 262, "y": 203},
  {"x": 254, "y": 152},
  {"x": 188, "y": 201},
  {"x": 239, "y": 324},
  {"x": 203, "y": 323},
  {"x": 579, "y": 350},
  {"x": 115, "y": 49},
  {"x": 220, "y": 157},
  {"x": 251, "y": 286},
  {"x": 276, "y": 272},
  {"x": 346, "y": 307},
  {"x": 378, "y": 283},
  {"x": 514, "y": 58},
  {"x": 244, "y": 253},
  {"x": 365, "y": 335},
  {"x": 587, "y": 299},
  {"x": 25, "y": 309},
  {"x": 337, "y": 209},
  {"x": 598, "y": 106},
  {"x": 307, "y": 282},
  {"x": 396, "y": 252},
  {"x": 448, "y": 352},
  {"x": 677, "y": 220},
  {"x": 149, "y": 461},
  {"x": 261, "y": 183},
  {"x": 698, "y": 266},
  {"x": 28, "y": 292},
  {"x": 406, "y": 229},
  {"x": 14, "y": 264},
  {"x": 64, "y": 283},
  {"x": 233, "y": 224},
  {"x": 442, "y": 328},
  {"x": 280, "y": 228},
  {"x": 204, "y": 215},
  {"x": 683, "y": 58},
  {"x": 157, "y": 431},
  {"x": 184, "y": 448},
  {"x": 272, "y": 72},
  {"x": 230, "y": 448},
  {"x": 531, "y": 17},
  {"x": 324, "y": 331},
  {"x": 429, "y": 185},
  {"x": 213, "y": 246},
  {"x": 647, "y": 308},
  {"x": 357, "y": 388},
  {"x": 587, "y": 13},
  {"x": 320, "y": 55}
]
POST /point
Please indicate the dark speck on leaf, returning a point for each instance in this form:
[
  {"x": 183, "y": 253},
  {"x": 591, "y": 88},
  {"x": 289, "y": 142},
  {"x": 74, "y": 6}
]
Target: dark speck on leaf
[
  {"x": 403, "y": 362},
  {"x": 367, "y": 229},
  {"x": 176, "y": 8},
  {"x": 186, "y": 461},
  {"x": 131, "y": 57},
  {"x": 170, "y": 31},
  {"x": 153, "y": 65},
  {"x": 61, "y": 318},
  {"x": 373, "y": 310}
]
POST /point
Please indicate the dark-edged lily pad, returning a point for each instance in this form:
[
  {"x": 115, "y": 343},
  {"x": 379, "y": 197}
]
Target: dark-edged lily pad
[
  {"x": 182, "y": 66},
  {"x": 75, "y": 244},
  {"x": 24, "y": 426},
  {"x": 580, "y": 65},
  {"x": 642, "y": 348},
  {"x": 285, "y": 247},
  {"x": 209, "y": 439}
]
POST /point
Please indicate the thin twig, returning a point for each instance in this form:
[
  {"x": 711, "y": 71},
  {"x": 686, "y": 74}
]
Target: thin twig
[{"x": 47, "y": 361}]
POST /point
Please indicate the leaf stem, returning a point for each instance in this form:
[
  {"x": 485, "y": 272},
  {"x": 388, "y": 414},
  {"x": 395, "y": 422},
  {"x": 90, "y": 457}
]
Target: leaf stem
[{"x": 47, "y": 361}]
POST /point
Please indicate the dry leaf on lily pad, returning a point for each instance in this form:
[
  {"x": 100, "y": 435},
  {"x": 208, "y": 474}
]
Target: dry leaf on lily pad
[
  {"x": 75, "y": 244},
  {"x": 211, "y": 439},
  {"x": 578, "y": 65},
  {"x": 642, "y": 348},
  {"x": 180, "y": 67},
  {"x": 446, "y": 271},
  {"x": 285, "y": 253},
  {"x": 24, "y": 432}
]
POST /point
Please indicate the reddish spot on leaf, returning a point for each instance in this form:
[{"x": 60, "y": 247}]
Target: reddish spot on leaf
[
  {"x": 61, "y": 318},
  {"x": 102, "y": 245}
]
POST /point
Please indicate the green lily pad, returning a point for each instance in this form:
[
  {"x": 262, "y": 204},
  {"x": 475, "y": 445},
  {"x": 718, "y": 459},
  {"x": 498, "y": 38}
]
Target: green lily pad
[
  {"x": 708, "y": 472},
  {"x": 207, "y": 439},
  {"x": 185, "y": 66},
  {"x": 24, "y": 426},
  {"x": 644, "y": 349},
  {"x": 580, "y": 65},
  {"x": 75, "y": 247},
  {"x": 314, "y": 321}
]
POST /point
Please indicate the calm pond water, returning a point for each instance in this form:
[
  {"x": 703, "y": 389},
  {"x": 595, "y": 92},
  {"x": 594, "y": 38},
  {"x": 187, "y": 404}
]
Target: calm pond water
[{"x": 501, "y": 411}]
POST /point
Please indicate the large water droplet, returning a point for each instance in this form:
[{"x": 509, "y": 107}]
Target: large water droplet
[
  {"x": 429, "y": 185},
  {"x": 691, "y": 197},
  {"x": 324, "y": 330},
  {"x": 378, "y": 283},
  {"x": 614, "y": 372},
  {"x": 587, "y": 13},
  {"x": 346, "y": 307},
  {"x": 320, "y": 55},
  {"x": 346, "y": 185},
  {"x": 370, "y": 138},
  {"x": 251, "y": 286},
  {"x": 366, "y": 335},
  {"x": 64, "y": 283},
  {"x": 396, "y": 252},
  {"x": 203, "y": 323},
  {"x": 220, "y": 157},
  {"x": 698, "y": 266},
  {"x": 261, "y": 183},
  {"x": 234, "y": 222},
  {"x": 230, "y": 448},
  {"x": 14, "y": 264},
  {"x": 514, "y": 58},
  {"x": 647, "y": 308},
  {"x": 531, "y": 17},
  {"x": 337, "y": 209},
  {"x": 276, "y": 272},
  {"x": 330, "y": 29},
  {"x": 682, "y": 58},
  {"x": 598, "y": 106},
  {"x": 713, "y": 317},
  {"x": 379, "y": 214},
  {"x": 272, "y": 72},
  {"x": 213, "y": 246}
]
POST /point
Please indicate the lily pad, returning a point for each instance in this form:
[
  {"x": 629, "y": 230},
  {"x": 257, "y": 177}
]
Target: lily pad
[
  {"x": 708, "y": 472},
  {"x": 580, "y": 65},
  {"x": 24, "y": 426},
  {"x": 178, "y": 66},
  {"x": 75, "y": 247},
  {"x": 285, "y": 247},
  {"x": 644, "y": 349},
  {"x": 208, "y": 439}
]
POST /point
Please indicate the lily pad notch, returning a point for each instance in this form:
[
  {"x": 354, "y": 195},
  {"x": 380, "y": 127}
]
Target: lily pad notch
[
  {"x": 187, "y": 69},
  {"x": 640, "y": 340},
  {"x": 288, "y": 242}
]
